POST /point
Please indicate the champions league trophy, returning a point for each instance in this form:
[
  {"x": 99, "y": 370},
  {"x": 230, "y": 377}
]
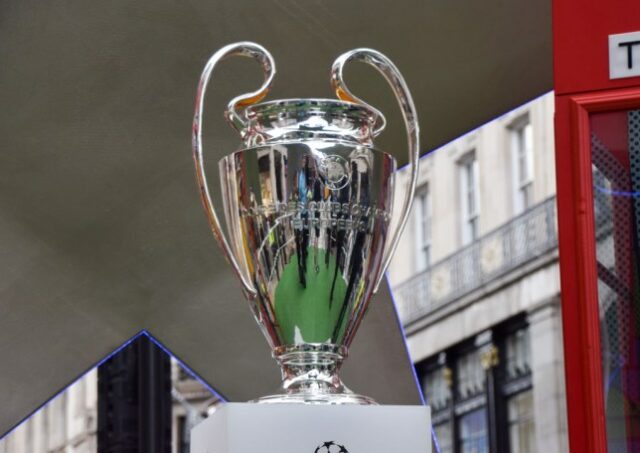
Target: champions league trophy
[{"x": 308, "y": 207}]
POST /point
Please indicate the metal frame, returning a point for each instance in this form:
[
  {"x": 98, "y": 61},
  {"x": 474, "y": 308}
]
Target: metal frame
[{"x": 578, "y": 268}]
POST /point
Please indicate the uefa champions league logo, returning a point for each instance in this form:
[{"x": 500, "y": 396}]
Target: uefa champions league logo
[
  {"x": 335, "y": 170},
  {"x": 330, "y": 447}
]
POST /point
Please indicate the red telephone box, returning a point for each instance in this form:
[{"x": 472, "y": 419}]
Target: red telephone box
[{"x": 597, "y": 83}]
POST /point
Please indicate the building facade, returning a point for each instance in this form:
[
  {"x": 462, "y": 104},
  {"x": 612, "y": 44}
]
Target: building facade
[
  {"x": 192, "y": 403},
  {"x": 476, "y": 283},
  {"x": 68, "y": 423}
]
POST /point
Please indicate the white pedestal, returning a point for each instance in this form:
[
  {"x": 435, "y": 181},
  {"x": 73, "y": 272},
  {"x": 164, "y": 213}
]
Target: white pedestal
[{"x": 293, "y": 428}]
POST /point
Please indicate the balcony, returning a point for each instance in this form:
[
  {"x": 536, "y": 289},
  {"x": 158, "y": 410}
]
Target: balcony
[{"x": 514, "y": 244}]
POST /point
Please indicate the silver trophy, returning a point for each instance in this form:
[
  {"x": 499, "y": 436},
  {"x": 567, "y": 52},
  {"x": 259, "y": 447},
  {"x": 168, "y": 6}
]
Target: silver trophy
[{"x": 308, "y": 207}]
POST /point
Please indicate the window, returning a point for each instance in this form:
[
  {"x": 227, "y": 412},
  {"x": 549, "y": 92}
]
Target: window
[
  {"x": 465, "y": 389},
  {"x": 522, "y": 152},
  {"x": 602, "y": 202},
  {"x": 437, "y": 388},
  {"x": 473, "y": 432},
  {"x": 471, "y": 376},
  {"x": 522, "y": 434},
  {"x": 445, "y": 438},
  {"x": 423, "y": 229},
  {"x": 471, "y": 404},
  {"x": 517, "y": 389},
  {"x": 469, "y": 190},
  {"x": 518, "y": 357}
]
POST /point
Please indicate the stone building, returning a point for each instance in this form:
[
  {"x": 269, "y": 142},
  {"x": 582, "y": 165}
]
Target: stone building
[
  {"x": 476, "y": 283},
  {"x": 68, "y": 423}
]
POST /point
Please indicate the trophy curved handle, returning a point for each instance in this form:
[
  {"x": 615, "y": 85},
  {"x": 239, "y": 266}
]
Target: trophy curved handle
[
  {"x": 410, "y": 116},
  {"x": 245, "y": 49}
]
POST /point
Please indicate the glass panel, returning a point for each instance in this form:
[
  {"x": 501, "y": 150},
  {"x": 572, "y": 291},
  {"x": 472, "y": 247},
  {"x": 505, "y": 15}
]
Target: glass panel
[
  {"x": 470, "y": 198},
  {"x": 523, "y": 177},
  {"x": 423, "y": 225},
  {"x": 473, "y": 432},
  {"x": 426, "y": 221},
  {"x": 615, "y": 153},
  {"x": 522, "y": 434},
  {"x": 436, "y": 388},
  {"x": 528, "y": 144},
  {"x": 518, "y": 359},
  {"x": 471, "y": 375},
  {"x": 444, "y": 435},
  {"x": 522, "y": 153}
]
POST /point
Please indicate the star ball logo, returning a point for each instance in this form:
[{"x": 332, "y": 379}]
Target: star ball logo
[
  {"x": 335, "y": 170},
  {"x": 330, "y": 447}
]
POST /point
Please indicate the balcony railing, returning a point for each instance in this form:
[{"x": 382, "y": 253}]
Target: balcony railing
[{"x": 521, "y": 240}]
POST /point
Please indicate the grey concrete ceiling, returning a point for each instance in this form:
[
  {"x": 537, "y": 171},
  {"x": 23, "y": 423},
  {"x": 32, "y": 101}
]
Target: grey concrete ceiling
[{"x": 101, "y": 230}]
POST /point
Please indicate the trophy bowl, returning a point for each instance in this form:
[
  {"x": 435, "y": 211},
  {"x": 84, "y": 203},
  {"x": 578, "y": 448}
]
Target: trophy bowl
[{"x": 308, "y": 204}]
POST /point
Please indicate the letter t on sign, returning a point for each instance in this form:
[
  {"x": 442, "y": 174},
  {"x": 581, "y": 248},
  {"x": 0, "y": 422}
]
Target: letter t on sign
[{"x": 624, "y": 55}]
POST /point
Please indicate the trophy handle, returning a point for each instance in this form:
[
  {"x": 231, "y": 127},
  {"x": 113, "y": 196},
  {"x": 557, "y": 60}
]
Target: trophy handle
[
  {"x": 401, "y": 91},
  {"x": 245, "y": 49}
]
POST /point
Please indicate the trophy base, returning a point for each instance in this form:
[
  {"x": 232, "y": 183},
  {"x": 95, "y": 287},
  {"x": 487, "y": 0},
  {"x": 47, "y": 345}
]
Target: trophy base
[
  {"x": 310, "y": 376},
  {"x": 316, "y": 398},
  {"x": 298, "y": 428}
]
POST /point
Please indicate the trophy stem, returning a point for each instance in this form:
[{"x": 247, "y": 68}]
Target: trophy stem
[{"x": 310, "y": 375}]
